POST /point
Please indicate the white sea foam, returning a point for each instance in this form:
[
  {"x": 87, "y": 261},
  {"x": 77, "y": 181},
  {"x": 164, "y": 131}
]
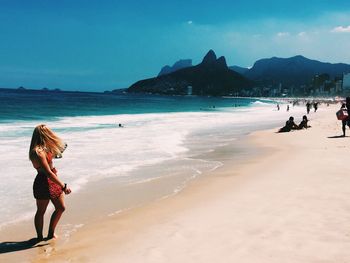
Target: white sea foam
[
  {"x": 261, "y": 103},
  {"x": 98, "y": 148}
]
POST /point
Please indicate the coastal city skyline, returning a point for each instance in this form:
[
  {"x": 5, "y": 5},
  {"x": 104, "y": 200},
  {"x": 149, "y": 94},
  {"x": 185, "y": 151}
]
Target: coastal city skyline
[{"x": 97, "y": 46}]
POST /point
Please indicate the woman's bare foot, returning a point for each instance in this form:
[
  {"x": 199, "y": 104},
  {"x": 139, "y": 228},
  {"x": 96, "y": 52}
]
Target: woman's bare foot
[
  {"x": 39, "y": 239},
  {"x": 52, "y": 236}
]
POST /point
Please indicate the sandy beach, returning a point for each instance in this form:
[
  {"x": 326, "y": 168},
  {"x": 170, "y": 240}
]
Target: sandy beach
[{"x": 287, "y": 200}]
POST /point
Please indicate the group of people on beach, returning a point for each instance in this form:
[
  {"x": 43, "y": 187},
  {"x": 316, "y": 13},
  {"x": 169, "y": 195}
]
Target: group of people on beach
[
  {"x": 291, "y": 125},
  {"x": 308, "y": 105},
  {"x": 342, "y": 114}
]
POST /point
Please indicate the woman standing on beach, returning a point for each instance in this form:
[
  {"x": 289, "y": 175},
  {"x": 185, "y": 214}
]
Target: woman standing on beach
[{"x": 45, "y": 145}]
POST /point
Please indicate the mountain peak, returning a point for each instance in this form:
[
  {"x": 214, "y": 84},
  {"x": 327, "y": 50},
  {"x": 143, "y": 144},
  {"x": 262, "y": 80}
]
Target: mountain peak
[
  {"x": 221, "y": 61},
  {"x": 298, "y": 56},
  {"x": 210, "y": 57}
]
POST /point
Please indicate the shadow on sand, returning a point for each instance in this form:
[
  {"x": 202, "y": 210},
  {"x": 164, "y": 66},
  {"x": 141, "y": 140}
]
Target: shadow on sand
[
  {"x": 13, "y": 246},
  {"x": 337, "y": 136}
]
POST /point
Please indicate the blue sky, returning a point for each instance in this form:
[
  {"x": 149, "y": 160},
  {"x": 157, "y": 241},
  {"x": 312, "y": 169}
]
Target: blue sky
[{"x": 103, "y": 45}]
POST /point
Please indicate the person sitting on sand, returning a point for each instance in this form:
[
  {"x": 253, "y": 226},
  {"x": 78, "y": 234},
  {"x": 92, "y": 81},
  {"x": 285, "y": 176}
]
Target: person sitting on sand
[
  {"x": 44, "y": 146},
  {"x": 303, "y": 123},
  {"x": 290, "y": 125}
]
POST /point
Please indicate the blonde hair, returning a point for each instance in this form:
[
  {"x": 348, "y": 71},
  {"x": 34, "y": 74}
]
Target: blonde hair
[{"x": 43, "y": 137}]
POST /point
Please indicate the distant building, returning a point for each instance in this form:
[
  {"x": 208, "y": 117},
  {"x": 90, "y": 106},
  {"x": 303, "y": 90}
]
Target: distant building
[
  {"x": 189, "y": 90},
  {"x": 346, "y": 81},
  {"x": 338, "y": 85}
]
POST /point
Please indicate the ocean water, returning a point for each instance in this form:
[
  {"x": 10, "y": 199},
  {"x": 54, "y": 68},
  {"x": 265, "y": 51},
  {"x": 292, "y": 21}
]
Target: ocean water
[{"x": 156, "y": 129}]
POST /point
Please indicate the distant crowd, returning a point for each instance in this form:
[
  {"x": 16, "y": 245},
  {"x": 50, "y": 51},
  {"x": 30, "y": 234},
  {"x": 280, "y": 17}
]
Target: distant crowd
[
  {"x": 342, "y": 114},
  {"x": 290, "y": 124}
]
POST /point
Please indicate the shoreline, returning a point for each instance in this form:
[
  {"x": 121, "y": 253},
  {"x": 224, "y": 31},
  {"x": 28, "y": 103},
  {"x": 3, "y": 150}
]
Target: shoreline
[
  {"x": 112, "y": 188},
  {"x": 127, "y": 226},
  {"x": 192, "y": 162}
]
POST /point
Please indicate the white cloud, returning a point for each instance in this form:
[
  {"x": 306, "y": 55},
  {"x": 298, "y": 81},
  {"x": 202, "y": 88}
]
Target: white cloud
[
  {"x": 190, "y": 22},
  {"x": 341, "y": 29},
  {"x": 301, "y": 34},
  {"x": 283, "y": 34}
]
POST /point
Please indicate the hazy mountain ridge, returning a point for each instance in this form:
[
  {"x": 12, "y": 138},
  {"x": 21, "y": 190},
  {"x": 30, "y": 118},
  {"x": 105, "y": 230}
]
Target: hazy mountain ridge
[
  {"x": 213, "y": 77},
  {"x": 180, "y": 64},
  {"x": 297, "y": 70}
]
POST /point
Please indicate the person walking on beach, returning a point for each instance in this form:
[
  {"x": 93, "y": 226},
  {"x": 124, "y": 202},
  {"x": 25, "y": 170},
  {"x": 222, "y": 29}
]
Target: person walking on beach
[
  {"x": 308, "y": 106},
  {"x": 44, "y": 146},
  {"x": 346, "y": 121}
]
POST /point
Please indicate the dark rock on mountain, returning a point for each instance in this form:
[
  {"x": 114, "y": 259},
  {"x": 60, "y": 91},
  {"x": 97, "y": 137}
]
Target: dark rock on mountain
[
  {"x": 210, "y": 77},
  {"x": 296, "y": 70},
  {"x": 182, "y": 63}
]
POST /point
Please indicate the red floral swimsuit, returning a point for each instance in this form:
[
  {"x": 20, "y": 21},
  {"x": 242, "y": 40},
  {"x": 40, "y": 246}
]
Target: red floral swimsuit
[{"x": 44, "y": 187}]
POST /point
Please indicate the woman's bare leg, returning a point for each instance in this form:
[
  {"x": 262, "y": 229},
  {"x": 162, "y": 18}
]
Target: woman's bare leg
[
  {"x": 56, "y": 215},
  {"x": 39, "y": 217}
]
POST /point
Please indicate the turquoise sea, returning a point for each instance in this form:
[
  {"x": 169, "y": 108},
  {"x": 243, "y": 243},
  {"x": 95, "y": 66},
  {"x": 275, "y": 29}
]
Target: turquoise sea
[{"x": 43, "y": 105}]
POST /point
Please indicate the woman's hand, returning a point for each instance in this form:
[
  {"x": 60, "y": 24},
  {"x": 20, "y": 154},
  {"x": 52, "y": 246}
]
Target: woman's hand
[{"x": 67, "y": 191}]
